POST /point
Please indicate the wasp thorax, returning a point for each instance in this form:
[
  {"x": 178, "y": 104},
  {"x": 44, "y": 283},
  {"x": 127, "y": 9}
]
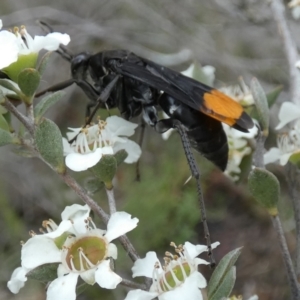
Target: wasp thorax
[{"x": 85, "y": 253}]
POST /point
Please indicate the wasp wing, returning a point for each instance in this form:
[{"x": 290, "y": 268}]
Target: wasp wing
[{"x": 187, "y": 90}]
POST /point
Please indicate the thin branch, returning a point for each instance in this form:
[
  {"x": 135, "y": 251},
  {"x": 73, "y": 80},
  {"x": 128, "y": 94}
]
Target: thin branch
[
  {"x": 290, "y": 48},
  {"x": 258, "y": 155},
  {"x": 111, "y": 200},
  {"x": 295, "y": 292},
  {"x": 72, "y": 183},
  {"x": 24, "y": 120},
  {"x": 133, "y": 285},
  {"x": 294, "y": 189}
]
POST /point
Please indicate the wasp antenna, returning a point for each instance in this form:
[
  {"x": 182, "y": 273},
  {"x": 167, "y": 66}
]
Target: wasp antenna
[
  {"x": 62, "y": 51},
  {"x": 45, "y": 26}
]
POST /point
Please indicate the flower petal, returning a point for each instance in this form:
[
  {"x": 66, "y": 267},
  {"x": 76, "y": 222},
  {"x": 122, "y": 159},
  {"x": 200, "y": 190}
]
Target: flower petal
[
  {"x": 188, "y": 290},
  {"x": 63, "y": 288},
  {"x": 50, "y": 42},
  {"x": 88, "y": 276},
  {"x": 9, "y": 49},
  {"x": 145, "y": 266},
  {"x": 284, "y": 158},
  {"x": 78, "y": 214},
  {"x": 272, "y": 155},
  {"x": 105, "y": 277},
  {"x": 17, "y": 280},
  {"x": 112, "y": 251},
  {"x": 132, "y": 148},
  {"x": 119, "y": 224},
  {"x": 140, "y": 295},
  {"x": 81, "y": 162},
  {"x": 63, "y": 227},
  {"x": 120, "y": 126},
  {"x": 288, "y": 112},
  {"x": 39, "y": 250}
]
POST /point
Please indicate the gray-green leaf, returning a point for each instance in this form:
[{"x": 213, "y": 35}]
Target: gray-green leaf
[
  {"x": 265, "y": 188},
  {"x": 262, "y": 106},
  {"x": 28, "y": 81},
  {"x": 44, "y": 62},
  {"x": 49, "y": 143},
  {"x": 223, "y": 277},
  {"x": 44, "y": 273},
  {"x": 46, "y": 103}
]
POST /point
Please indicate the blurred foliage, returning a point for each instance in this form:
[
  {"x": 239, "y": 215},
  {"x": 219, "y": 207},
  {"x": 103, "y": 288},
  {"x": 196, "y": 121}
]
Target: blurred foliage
[{"x": 238, "y": 38}]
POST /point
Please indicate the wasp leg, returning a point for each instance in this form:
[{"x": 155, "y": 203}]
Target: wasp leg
[
  {"x": 166, "y": 124},
  {"x": 100, "y": 101}
]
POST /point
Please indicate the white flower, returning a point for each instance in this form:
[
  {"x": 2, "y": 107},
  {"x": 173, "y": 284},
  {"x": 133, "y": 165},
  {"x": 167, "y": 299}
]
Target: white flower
[
  {"x": 84, "y": 251},
  {"x": 238, "y": 148},
  {"x": 294, "y": 5},
  {"x": 42, "y": 248},
  {"x": 86, "y": 255},
  {"x": 178, "y": 279},
  {"x": 288, "y": 112},
  {"x": 20, "y": 42},
  {"x": 239, "y": 92},
  {"x": 208, "y": 72},
  {"x": 288, "y": 143},
  {"x": 106, "y": 137}
]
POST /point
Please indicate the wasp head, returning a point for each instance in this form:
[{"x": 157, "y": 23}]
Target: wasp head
[{"x": 79, "y": 65}]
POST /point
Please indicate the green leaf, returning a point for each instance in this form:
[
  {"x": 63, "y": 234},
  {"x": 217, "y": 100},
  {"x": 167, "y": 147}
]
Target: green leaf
[
  {"x": 11, "y": 86},
  {"x": 262, "y": 106},
  {"x": 105, "y": 169},
  {"x": 265, "y": 188},
  {"x": 271, "y": 98},
  {"x": 43, "y": 63},
  {"x": 3, "y": 123},
  {"x": 5, "y": 137},
  {"x": 120, "y": 156},
  {"x": 273, "y": 95},
  {"x": 49, "y": 143},
  {"x": 23, "y": 152},
  {"x": 226, "y": 286},
  {"x": 44, "y": 273},
  {"x": 223, "y": 277},
  {"x": 28, "y": 81},
  {"x": 46, "y": 103},
  {"x": 93, "y": 185}
]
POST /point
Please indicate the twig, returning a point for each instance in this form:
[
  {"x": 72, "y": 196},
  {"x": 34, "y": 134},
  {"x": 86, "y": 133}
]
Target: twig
[
  {"x": 29, "y": 112},
  {"x": 294, "y": 189},
  {"x": 133, "y": 285},
  {"x": 72, "y": 183},
  {"x": 111, "y": 200},
  {"x": 292, "y": 56},
  {"x": 258, "y": 155},
  {"x": 287, "y": 259},
  {"x": 290, "y": 48},
  {"x": 24, "y": 120}
]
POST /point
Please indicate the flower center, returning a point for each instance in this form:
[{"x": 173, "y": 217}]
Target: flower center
[
  {"x": 175, "y": 271},
  {"x": 86, "y": 253},
  {"x": 174, "y": 276}
]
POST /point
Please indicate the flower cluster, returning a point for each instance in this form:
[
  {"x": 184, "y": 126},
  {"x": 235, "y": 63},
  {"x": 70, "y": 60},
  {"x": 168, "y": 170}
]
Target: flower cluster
[
  {"x": 79, "y": 247},
  {"x": 20, "y": 46},
  {"x": 238, "y": 142},
  {"x": 238, "y": 148},
  {"x": 105, "y": 137},
  {"x": 288, "y": 143},
  {"x": 177, "y": 279}
]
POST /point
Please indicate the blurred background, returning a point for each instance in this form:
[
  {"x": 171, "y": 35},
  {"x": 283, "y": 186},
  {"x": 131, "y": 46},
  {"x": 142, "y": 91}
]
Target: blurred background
[{"x": 238, "y": 38}]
